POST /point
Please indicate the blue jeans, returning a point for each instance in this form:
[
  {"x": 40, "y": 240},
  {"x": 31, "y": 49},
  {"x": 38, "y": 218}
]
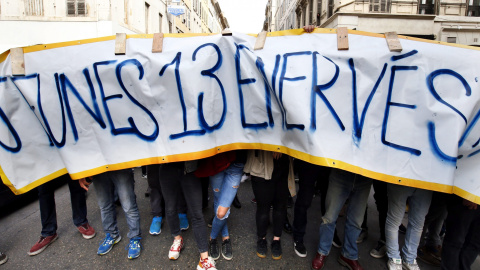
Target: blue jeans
[
  {"x": 344, "y": 185},
  {"x": 419, "y": 202},
  {"x": 121, "y": 181},
  {"x": 225, "y": 185}
]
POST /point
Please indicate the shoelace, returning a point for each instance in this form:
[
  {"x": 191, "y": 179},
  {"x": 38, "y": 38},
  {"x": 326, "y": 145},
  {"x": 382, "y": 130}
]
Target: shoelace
[
  {"x": 176, "y": 245},
  {"x": 135, "y": 244},
  {"x": 207, "y": 263}
]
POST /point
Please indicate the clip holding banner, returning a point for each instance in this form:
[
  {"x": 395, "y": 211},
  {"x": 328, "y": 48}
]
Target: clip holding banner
[
  {"x": 260, "y": 42},
  {"x": 226, "y": 32},
  {"x": 121, "y": 44},
  {"x": 18, "y": 62},
  {"x": 342, "y": 38},
  {"x": 393, "y": 42},
  {"x": 157, "y": 45}
]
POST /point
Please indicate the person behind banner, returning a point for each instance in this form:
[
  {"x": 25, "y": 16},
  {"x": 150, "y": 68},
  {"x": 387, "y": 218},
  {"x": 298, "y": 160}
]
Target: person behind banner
[
  {"x": 270, "y": 174},
  {"x": 176, "y": 177},
  {"x": 343, "y": 185},
  {"x": 105, "y": 184},
  {"x": 48, "y": 214}
]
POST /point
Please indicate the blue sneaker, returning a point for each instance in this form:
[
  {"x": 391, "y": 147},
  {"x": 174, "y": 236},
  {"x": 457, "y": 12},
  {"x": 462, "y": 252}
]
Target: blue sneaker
[
  {"x": 107, "y": 244},
  {"x": 183, "y": 222},
  {"x": 134, "y": 248},
  {"x": 156, "y": 227}
]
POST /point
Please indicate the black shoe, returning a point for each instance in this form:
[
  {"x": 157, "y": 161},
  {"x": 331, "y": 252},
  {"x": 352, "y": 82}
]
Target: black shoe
[
  {"x": 402, "y": 229},
  {"x": 210, "y": 222},
  {"x": 287, "y": 227},
  {"x": 236, "y": 203},
  {"x": 336, "y": 241},
  {"x": 276, "y": 250},
  {"x": 300, "y": 249},
  {"x": 262, "y": 248},
  {"x": 227, "y": 250},
  {"x": 213, "y": 249}
]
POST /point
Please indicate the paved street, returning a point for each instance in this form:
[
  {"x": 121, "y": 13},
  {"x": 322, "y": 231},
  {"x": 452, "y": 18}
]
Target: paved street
[{"x": 21, "y": 229}]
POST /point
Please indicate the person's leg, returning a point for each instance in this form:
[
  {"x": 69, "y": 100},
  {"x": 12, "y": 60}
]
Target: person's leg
[
  {"x": 124, "y": 184},
  {"x": 79, "y": 203},
  {"x": 264, "y": 193},
  {"x": 156, "y": 197},
  {"x": 205, "y": 181},
  {"x": 192, "y": 189},
  {"x": 355, "y": 214},
  {"x": 437, "y": 213},
  {"x": 308, "y": 175},
  {"x": 280, "y": 199},
  {"x": 104, "y": 190},
  {"x": 48, "y": 214},
  {"x": 170, "y": 184},
  {"x": 471, "y": 247},
  {"x": 340, "y": 184},
  {"x": 216, "y": 182},
  {"x": 397, "y": 200},
  {"x": 381, "y": 201}
]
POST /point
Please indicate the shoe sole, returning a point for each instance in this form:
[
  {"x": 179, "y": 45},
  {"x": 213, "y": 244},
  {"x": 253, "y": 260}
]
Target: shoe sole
[
  {"x": 131, "y": 258},
  {"x": 114, "y": 243},
  {"x": 42, "y": 249},
  {"x": 299, "y": 254},
  {"x": 89, "y": 236},
  {"x": 377, "y": 256},
  {"x": 263, "y": 256},
  {"x": 277, "y": 258},
  {"x": 184, "y": 229},
  {"x": 173, "y": 258},
  {"x": 4, "y": 260},
  {"x": 155, "y": 233},
  {"x": 344, "y": 263},
  {"x": 336, "y": 245},
  {"x": 227, "y": 258}
]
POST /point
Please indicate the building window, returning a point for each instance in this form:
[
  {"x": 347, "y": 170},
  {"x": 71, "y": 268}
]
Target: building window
[
  {"x": 160, "y": 20},
  {"x": 381, "y": 6},
  {"x": 452, "y": 39},
  {"x": 426, "y": 7},
  {"x": 147, "y": 12},
  {"x": 474, "y": 8},
  {"x": 34, "y": 7},
  {"x": 76, "y": 8}
]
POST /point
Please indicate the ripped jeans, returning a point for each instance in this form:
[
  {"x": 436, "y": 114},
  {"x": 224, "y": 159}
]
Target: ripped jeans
[{"x": 225, "y": 185}]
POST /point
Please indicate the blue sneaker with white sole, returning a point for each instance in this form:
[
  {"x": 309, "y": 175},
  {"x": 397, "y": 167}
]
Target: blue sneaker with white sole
[
  {"x": 134, "y": 248},
  {"x": 156, "y": 227},
  {"x": 108, "y": 243},
  {"x": 183, "y": 222}
]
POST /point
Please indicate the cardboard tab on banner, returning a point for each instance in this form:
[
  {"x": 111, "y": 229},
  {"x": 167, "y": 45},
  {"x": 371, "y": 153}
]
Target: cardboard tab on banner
[
  {"x": 393, "y": 42},
  {"x": 260, "y": 42},
  {"x": 18, "y": 62},
  {"x": 342, "y": 38},
  {"x": 157, "y": 45},
  {"x": 226, "y": 32},
  {"x": 121, "y": 44}
]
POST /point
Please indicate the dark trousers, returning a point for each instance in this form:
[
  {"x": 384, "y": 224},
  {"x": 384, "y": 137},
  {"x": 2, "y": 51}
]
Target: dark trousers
[
  {"x": 381, "y": 200},
  {"x": 461, "y": 244},
  {"x": 310, "y": 176},
  {"x": 273, "y": 192},
  {"x": 48, "y": 213},
  {"x": 173, "y": 181},
  {"x": 157, "y": 202}
]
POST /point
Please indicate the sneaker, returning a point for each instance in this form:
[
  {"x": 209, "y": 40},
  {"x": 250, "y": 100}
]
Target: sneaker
[
  {"x": 287, "y": 227},
  {"x": 213, "y": 249},
  {"x": 276, "y": 250},
  {"x": 379, "y": 251},
  {"x": 410, "y": 266},
  {"x": 262, "y": 248},
  {"x": 134, "y": 248},
  {"x": 87, "y": 231},
  {"x": 183, "y": 222},
  {"x": 363, "y": 235},
  {"x": 144, "y": 176},
  {"x": 210, "y": 222},
  {"x": 42, "y": 244},
  {"x": 402, "y": 229},
  {"x": 425, "y": 255},
  {"x": 254, "y": 200},
  {"x": 394, "y": 264},
  {"x": 336, "y": 241},
  {"x": 245, "y": 178},
  {"x": 3, "y": 258},
  {"x": 156, "y": 227},
  {"x": 206, "y": 264},
  {"x": 227, "y": 249},
  {"x": 300, "y": 249},
  {"x": 175, "y": 249},
  {"x": 108, "y": 243}
]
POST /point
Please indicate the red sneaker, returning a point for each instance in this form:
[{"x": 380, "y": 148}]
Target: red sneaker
[
  {"x": 87, "y": 231},
  {"x": 42, "y": 244}
]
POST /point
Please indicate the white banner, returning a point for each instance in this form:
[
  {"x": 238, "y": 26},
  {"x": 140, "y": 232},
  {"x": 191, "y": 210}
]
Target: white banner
[{"x": 403, "y": 117}]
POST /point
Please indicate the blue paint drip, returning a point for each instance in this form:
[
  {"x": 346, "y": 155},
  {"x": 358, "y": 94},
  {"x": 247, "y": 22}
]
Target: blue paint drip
[
  {"x": 210, "y": 73},
  {"x": 317, "y": 90},
  {"x": 398, "y": 57},
  {"x": 476, "y": 143},
  {"x": 469, "y": 129},
  {"x": 413, "y": 151},
  {"x": 439, "y": 72},
  {"x": 436, "y": 149},
  {"x": 12, "y": 130},
  {"x": 268, "y": 89},
  {"x": 102, "y": 92}
]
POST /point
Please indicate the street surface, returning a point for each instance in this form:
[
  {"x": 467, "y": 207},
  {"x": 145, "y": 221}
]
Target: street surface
[{"x": 21, "y": 229}]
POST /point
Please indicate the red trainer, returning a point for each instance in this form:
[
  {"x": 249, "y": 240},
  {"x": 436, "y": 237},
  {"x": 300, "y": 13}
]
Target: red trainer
[
  {"x": 87, "y": 231},
  {"x": 206, "y": 264},
  {"x": 42, "y": 244}
]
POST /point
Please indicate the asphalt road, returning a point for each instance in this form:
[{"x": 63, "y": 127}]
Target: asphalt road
[{"x": 21, "y": 229}]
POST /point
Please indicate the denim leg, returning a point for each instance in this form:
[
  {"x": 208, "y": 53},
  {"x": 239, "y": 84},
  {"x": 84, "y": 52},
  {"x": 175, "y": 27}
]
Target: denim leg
[
  {"x": 79, "y": 203},
  {"x": 125, "y": 186},
  {"x": 216, "y": 182},
  {"x": 355, "y": 215},
  {"x": 48, "y": 214},
  {"x": 170, "y": 184},
  {"x": 338, "y": 192},
  {"x": 104, "y": 189},
  {"x": 397, "y": 201}
]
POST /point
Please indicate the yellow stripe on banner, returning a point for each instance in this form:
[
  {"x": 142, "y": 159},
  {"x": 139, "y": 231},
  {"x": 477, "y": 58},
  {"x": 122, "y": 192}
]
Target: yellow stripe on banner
[
  {"x": 32, "y": 185},
  {"x": 4, "y": 55}
]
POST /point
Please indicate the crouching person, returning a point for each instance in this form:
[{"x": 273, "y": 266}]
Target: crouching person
[{"x": 105, "y": 184}]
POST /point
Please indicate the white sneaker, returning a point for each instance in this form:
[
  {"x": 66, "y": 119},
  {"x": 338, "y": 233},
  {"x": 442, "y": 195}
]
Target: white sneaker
[
  {"x": 206, "y": 264},
  {"x": 394, "y": 264},
  {"x": 244, "y": 178},
  {"x": 175, "y": 249},
  {"x": 410, "y": 266}
]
